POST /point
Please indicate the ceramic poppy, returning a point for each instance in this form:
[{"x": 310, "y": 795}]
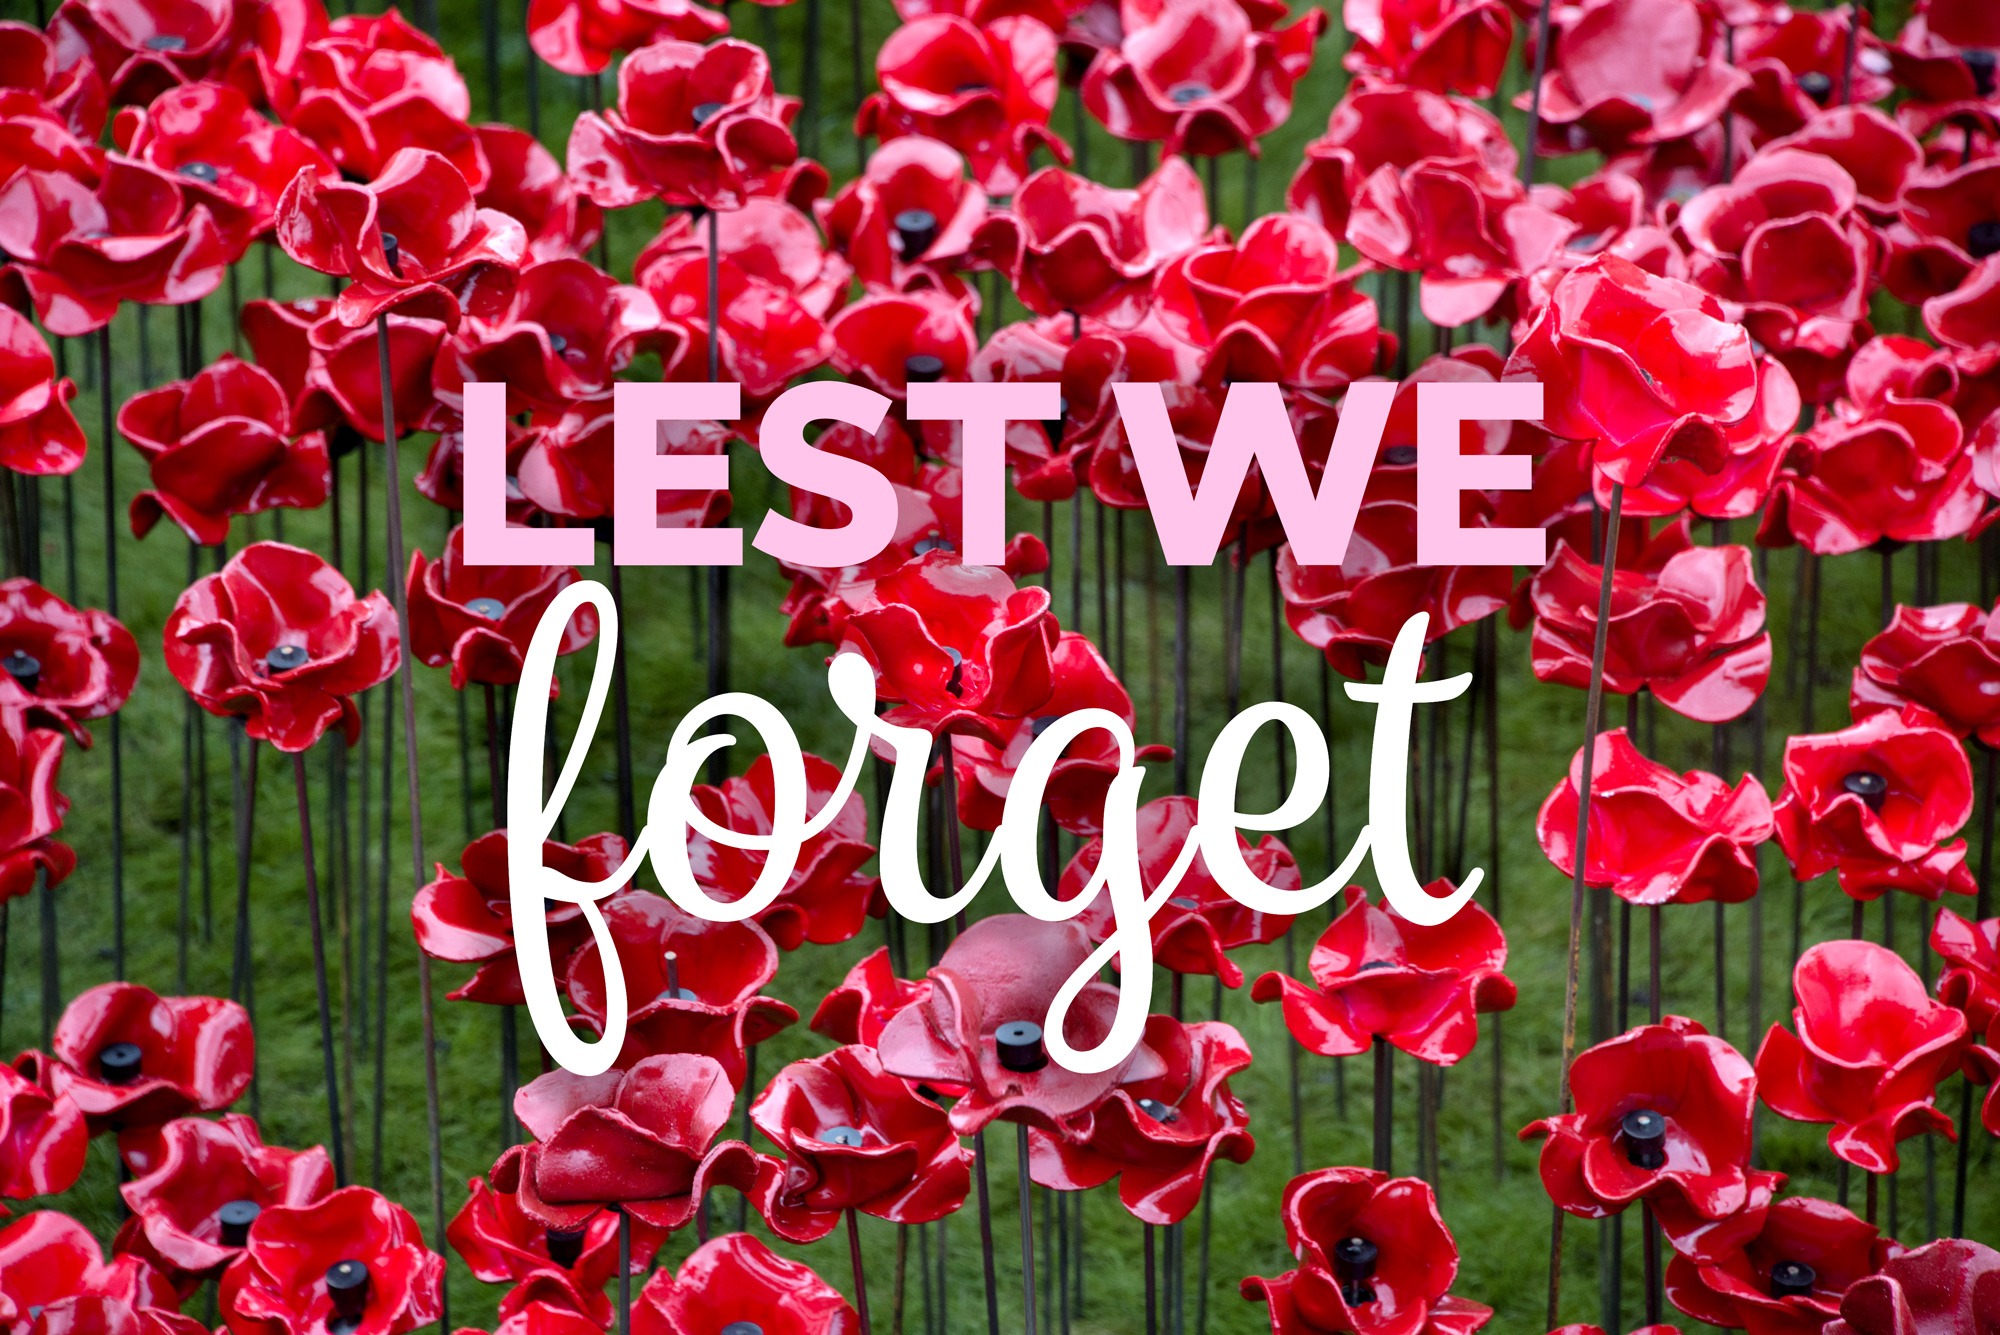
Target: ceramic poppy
[
  {"x": 47, "y": 1257},
  {"x": 564, "y": 467},
  {"x": 468, "y": 918},
  {"x": 353, "y": 1257},
  {"x": 63, "y": 665},
  {"x": 221, "y": 445},
  {"x": 583, "y": 36},
  {"x": 1876, "y": 803},
  {"x": 885, "y": 341},
  {"x": 39, "y": 435},
  {"x": 203, "y": 1185},
  {"x": 1623, "y": 73},
  {"x": 331, "y": 374},
  {"x": 854, "y": 1137},
  {"x": 1901, "y": 474},
  {"x": 1870, "y": 1049},
  {"x": 1949, "y": 1285},
  {"x": 909, "y": 217},
  {"x": 1441, "y": 46},
  {"x": 1386, "y": 125},
  {"x": 1966, "y": 318},
  {"x": 639, "y": 1139},
  {"x": 480, "y": 619},
  {"x": 31, "y": 810},
  {"x": 141, "y": 50},
  {"x": 1944, "y": 658},
  {"x": 1789, "y": 1277},
  {"x": 412, "y": 238},
  {"x": 528, "y": 184},
  {"x": 771, "y": 239},
  {"x": 131, "y": 1059},
  {"x": 1374, "y": 1258},
  {"x": 1161, "y": 1135},
  {"x": 828, "y": 896},
  {"x": 1377, "y": 975},
  {"x": 566, "y": 329},
  {"x": 279, "y": 639},
  {"x": 1971, "y": 983},
  {"x": 1757, "y": 447},
  {"x": 1657, "y": 837},
  {"x": 736, "y": 1279},
  {"x": 866, "y": 1000},
  {"x": 43, "y": 1140},
  {"x": 501, "y": 1243}
]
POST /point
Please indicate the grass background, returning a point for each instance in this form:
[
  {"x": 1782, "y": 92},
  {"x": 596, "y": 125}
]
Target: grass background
[{"x": 1498, "y": 1212}]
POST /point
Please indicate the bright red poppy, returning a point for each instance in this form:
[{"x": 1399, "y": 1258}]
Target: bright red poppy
[
  {"x": 332, "y": 375},
  {"x": 530, "y": 186},
  {"x": 737, "y": 1279},
  {"x": 1941, "y": 1288},
  {"x": 1944, "y": 658},
  {"x": 1757, "y": 447},
  {"x": 501, "y": 1243},
  {"x": 1628, "y": 73},
  {"x": 1441, "y": 46},
  {"x": 131, "y": 1059},
  {"x": 566, "y": 329},
  {"x": 205, "y": 1182},
  {"x": 866, "y": 1000},
  {"x": 31, "y": 810},
  {"x": 39, "y": 435},
  {"x": 1377, "y": 125},
  {"x": 47, "y": 1258},
  {"x": 888, "y": 340},
  {"x": 63, "y": 665},
  {"x": 1900, "y": 474},
  {"x": 583, "y": 36},
  {"x": 353, "y": 1258},
  {"x": 909, "y": 218},
  {"x": 1788, "y": 1277},
  {"x": 479, "y": 619},
  {"x": 43, "y": 1139}
]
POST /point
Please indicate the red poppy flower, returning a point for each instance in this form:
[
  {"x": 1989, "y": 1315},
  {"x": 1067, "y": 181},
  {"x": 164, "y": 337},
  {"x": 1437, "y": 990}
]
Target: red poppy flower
[
  {"x": 956, "y": 648},
  {"x": 1081, "y": 777},
  {"x": 1374, "y": 1258},
  {"x": 564, "y": 467},
  {"x": 564, "y": 331},
  {"x": 479, "y": 619},
  {"x": 1945, "y": 658},
  {"x": 31, "y": 810},
  {"x": 412, "y": 238},
  {"x": 737, "y": 1279},
  {"x": 1870, "y": 1049},
  {"x": 694, "y": 125},
  {"x": 47, "y": 1257},
  {"x": 63, "y": 665},
  {"x": 582, "y": 36},
  {"x": 1690, "y": 628},
  {"x": 469, "y": 919},
  {"x": 501, "y": 1243},
  {"x": 1788, "y": 1278},
  {"x": 771, "y": 239},
  {"x": 332, "y": 375},
  {"x": 828, "y": 897},
  {"x": 1441, "y": 46},
  {"x": 204, "y": 1184},
  {"x": 1900, "y": 474},
  {"x": 1876, "y": 152},
  {"x": 1469, "y": 231},
  {"x": 370, "y": 86},
  {"x": 39, "y": 434},
  {"x": 1662, "y": 1115},
  {"x": 1070, "y": 245},
  {"x": 1949, "y": 220},
  {"x": 1873, "y": 802},
  {"x": 530, "y": 186},
  {"x": 1201, "y": 78},
  {"x": 141, "y": 50},
  {"x": 1646, "y": 367},
  {"x": 910, "y": 216},
  {"x": 442, "y": 480},
  {"x": 1949, "y": 1285},
  {"x": 1158, "y": 1135},
  {"x": 985, "y": 90},
  {"x": 278, "y": 638},
  {"x": 637, "y": 1139},
  {"x": 879, "y": 339},
  {"x": 1757, "y": 447},
  {"x": 1377, "y": 975},
  {"x": 1274, "y": 306},
  {"x": 992, "y": 986},
  {"x": 1798, "y": 64},
  {"x": 1373, "y": 126},
  {"x": 130, "y": 1058},
  {"x": 1625, "y": 73},
  {"x": 43, "y": 1140},
  {"x": 76, "y": 250},
  {"x": 1193, "y": 929},
  {"x": 1967, "y": 319},
  {"x": 855, "y": 1137},
  {"x": 354, "y": 1257},
  {"x": 222, "y": 153},
  {"x": 695, "y": 985},
  {"x": 220, "y": 445},
  {"x": 1657, "y": 837},
  {"x": 70, "y": 91},
  {"x": 1971, "y": 980},
  {"x": 867, "y": 999}
]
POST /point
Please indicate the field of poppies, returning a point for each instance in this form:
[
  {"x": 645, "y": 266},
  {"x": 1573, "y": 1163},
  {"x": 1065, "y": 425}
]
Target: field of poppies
[{"x": 273, "y": 1072}]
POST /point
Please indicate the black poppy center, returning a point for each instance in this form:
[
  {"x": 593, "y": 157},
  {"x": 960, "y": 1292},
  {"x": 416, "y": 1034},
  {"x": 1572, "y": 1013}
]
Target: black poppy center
[
  {"x": 1184, "y": 903},
  {"x": 845, "y": 1136},
  {"x": 565, "y": 1245},
  {"x": 1019, "y": 1043},
  {"x": 287, "y": 657},
  {"x": 742, "y": 1328},
  {"x": 1816, "y": 86},
  {"x": 166, "y": 41},
  {"x": 935, "y": 542},
  {"x": 972, "y": 86},
  {"x": 347, "y": 1290},
  {"x": 1980, "y": 63},
  {"x": 1645, "y": 1135},
  {"x": 392, "y": 251},
  {"x": 921, "y": 368},
  {"x": 955, "y": 683},
  {"x": 1038, "y": 726},
  {"x": 916, "y": 232},
  {"x": 234, "y": 1219},
  {"x": 23, "y": 667},
  {"x": 205, "y": 172},
  {"x": 1983, "y": 238},
  {"x": 491, "y": 609},
  {"x": 119, "y": 1063},
  {"x": 1183, "y": 93},
  {"x": 1354, "y": 1265},
  {"x": 1400, "y": 456},
  {"x": 1158, "y": 1111},
  {"x": 704, "y": 112},
  {"x": 1793, "y": 1279},
  {"x": 1867, "y": 785},
  {"x": 1053, "y": 427}
]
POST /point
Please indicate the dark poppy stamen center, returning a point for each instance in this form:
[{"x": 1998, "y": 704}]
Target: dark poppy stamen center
[
  {"x": 392, "y": 251},
  {"x": 1354, "y": 1265},
  {"x": 1793, "y": 1279},
  {"x": 166, "y": 41},
  {"x": 955, "y": 683},
  {"x": 742, "y": 1328},
  {"x": 1184, "y": 903},
  {"x": 558, "y": 344},
  {"x": 704, "y": 112},
  {"x": 916, "y": 232},
  {"x": 1980, "y": 63},
  {"x": 119, "y": 1063},
  {"x": 1400, "y": 456},
  {"x": 921, "y": 368},
  {"x": 972, "y": 86},
  {"x": 845, "y": 1136},
  {"x": 492, "y": 609},
  {"x": 1367, "y": 966},
  {"x": 1183, "y": 93},
  {"x": 1054, "y": 426},
  {"x": 287, "y": 657},
  {"x": 1983, "y": 239},
  {"x": 23, "y": 667},
  {"x": 1019, "y": 1043},
  {"x": 935, "y": 542},
  {"x": 235, "y": 1218},
  {"x": 1867, "y": 785},
  {"x": 1038, "y": 726},
  {"x": 206, "y": 172},
  {"x": 1645, "y": 1135},
  {"x": 347, "y": 1290},
  {"x": 1158, "y": 1111},
  {"x": 565, "y": 1245},
  {"x": 1816, "y": 86}
]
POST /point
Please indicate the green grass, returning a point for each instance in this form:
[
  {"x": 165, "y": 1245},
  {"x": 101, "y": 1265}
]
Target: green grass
[{"x": 1501, "y": 1221}]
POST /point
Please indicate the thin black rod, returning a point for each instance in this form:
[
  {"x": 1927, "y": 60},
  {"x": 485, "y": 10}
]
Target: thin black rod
[
  {"x": 105, "y": 438},
  {"x": 337, "y": 1141}
]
